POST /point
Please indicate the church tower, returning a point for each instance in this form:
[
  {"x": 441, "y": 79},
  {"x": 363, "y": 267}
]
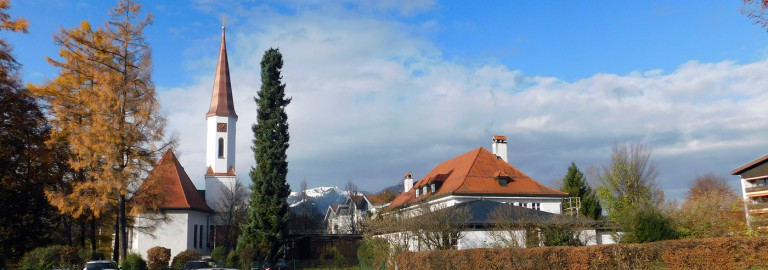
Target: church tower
[{"x": 221, "y": 128}]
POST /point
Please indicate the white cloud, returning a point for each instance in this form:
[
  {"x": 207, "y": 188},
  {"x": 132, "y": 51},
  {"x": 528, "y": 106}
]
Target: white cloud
[{"x": 372, "y": 101}]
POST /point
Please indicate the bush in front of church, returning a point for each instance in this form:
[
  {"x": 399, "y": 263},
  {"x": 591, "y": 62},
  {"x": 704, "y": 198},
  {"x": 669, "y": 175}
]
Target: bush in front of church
[
  {"x": 219, "y": 255},
  {"x": 158, "y": 258},
  {"x": 183, "y": 257},
  {"x": 133, "y": 262}
]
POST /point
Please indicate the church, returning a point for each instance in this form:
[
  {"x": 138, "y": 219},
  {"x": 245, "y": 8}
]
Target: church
[{"x": 188, "y": 221}]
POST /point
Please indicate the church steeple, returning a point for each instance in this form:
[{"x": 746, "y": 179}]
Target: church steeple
[
  {"x": 221, "y": 118},
  {"x": 221, "y": 100},
  {"x": 221, "y": 129}
]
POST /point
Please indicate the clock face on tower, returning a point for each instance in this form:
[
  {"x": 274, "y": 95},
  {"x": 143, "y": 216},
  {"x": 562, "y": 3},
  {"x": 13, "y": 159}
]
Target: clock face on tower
[{"x": 221, "y": 127}]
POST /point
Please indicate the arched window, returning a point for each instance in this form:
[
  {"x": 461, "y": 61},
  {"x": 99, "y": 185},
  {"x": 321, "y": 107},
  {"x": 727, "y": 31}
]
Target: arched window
[{"x": 221, "y": 147}]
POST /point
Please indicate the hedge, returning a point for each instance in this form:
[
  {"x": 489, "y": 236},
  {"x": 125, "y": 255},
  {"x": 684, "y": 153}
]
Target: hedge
[{"x": 710, "y": 253}]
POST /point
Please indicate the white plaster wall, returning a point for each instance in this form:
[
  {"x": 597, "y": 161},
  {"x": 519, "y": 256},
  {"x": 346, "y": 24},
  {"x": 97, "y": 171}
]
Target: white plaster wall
[
  {"x": 606, "y": 237},
  {"x": 547, "y": 204},
  {"x": 172, "y": 234},
  {"x": 220, "y": 165},
  {"x": 176, "y": 234},
  {"x": 215, "y": 187},
  {"x": 491, "y": 239},
  {"x": 588, "y": 237},
  {"x": 198, "y": 218}
]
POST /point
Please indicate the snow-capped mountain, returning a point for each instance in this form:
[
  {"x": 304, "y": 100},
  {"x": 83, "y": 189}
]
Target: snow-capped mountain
[{"x": 321, "y": 196}]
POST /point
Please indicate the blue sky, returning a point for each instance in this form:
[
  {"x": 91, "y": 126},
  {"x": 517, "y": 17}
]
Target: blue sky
[{"x": 381, "y": 88}]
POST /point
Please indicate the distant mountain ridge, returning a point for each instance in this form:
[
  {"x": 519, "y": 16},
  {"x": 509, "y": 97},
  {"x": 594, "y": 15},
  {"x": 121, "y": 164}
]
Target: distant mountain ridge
[{"x": 322, "y": 197}]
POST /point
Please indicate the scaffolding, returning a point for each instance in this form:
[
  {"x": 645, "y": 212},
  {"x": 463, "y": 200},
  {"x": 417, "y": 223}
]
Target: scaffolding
[{"x": 572, "y": 206}]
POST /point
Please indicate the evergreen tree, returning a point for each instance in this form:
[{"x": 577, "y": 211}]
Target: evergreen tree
[
  {"x": 268, "y": 215},
  {"x": 576, "y": 185}
]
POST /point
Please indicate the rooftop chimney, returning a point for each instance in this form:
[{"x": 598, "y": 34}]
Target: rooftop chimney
[
  {"x": 408, "y": 182},
  {"x": 499, "y": 147}
]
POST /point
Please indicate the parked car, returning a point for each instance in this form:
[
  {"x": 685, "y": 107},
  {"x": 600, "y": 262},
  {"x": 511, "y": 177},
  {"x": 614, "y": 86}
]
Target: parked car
[
  {"x": 196, "y": 265},
  {"x": 279, "y": 265},
  {"x": 100, "y": 265}
]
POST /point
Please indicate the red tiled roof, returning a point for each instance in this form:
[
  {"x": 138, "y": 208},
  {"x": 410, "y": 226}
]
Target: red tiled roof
[
  {"x": 376, "y": 199},
  {"x": 221, "y": 100},
  {"x": 179, "y": 191},
  {"x": 357, "y": 199},
  {"x": 749, "y": 165},
  {"x": 473, "y": 174}
]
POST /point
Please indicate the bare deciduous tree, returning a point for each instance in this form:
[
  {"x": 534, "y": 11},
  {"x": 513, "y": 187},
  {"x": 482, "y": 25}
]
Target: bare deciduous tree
[
  {"x": 628, "y": 180},
  {"x": 352, "y": 190},
  {"x": 231, "y": 210}
]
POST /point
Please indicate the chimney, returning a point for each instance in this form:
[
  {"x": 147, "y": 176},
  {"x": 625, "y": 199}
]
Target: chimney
[
  {"x": 408, "y": 182},
  {"x": 499, "y": 147}
]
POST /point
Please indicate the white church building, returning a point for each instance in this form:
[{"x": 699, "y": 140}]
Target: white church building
[{"x": 189, "y": 212}]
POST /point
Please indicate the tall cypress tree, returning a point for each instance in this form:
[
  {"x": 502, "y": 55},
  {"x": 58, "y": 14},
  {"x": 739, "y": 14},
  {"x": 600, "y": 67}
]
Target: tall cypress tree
[
  {"x": 576, "y": 185},
  {"x": 268, "y": 215}
]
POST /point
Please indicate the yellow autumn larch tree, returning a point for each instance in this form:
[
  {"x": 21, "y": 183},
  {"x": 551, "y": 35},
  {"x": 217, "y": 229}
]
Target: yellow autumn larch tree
[{"x": 103, "y": 104}]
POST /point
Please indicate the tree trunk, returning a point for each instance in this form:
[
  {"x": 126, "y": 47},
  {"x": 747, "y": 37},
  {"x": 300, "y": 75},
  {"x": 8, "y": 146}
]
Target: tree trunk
[
  {"x": 123, "y": 229},
  {"x": 82, "y": 237},
  {"x": 93, "y": 233},
  {"x": 116, "y": 246}
]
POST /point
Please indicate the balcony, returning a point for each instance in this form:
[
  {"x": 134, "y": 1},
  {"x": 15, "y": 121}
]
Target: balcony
[
  {"x": 756, "y": 207},
  {"x": 756, "y": 189},
  {"x": 759, "y": 223}
]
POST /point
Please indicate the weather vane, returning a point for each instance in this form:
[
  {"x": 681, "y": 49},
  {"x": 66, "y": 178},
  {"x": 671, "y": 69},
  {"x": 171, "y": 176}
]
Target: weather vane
[{"x": 223, "y": 21}]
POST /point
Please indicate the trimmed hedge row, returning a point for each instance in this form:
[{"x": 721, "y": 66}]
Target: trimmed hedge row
[{"x": 710, "y": 253}]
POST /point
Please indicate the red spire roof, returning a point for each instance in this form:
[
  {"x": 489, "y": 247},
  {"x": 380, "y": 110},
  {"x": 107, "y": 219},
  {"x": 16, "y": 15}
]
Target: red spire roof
[
  {"x": 473, "y": 174},
  {"x": 180, "y": 192},
  {"x": 221, "y": 100}
]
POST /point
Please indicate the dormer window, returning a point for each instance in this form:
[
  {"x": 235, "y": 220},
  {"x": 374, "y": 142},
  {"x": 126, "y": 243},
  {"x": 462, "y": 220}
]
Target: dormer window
[
  {"x": 425, "y": 190},
  {"x": 502, "y": 178},
  {"x": 433, "y": 188},
  {"x": 417, "y": 192},
  {"x": 503, "y": 181}
]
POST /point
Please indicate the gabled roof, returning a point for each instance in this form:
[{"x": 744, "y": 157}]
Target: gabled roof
[
  {"x": 750, "y": 165},
  {"x": 221, "y": 100},
  {"x": 375, "y": 199},
  {"x": 357, "y": 199},
  {"x": 179, "y": 191},
  {"x": 473, "y": 174}
]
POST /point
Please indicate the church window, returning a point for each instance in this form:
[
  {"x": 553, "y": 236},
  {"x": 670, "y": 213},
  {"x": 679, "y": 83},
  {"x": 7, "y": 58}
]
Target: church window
[
  {"x": 221, "y": 147},
  {"x": 194, "y": 243},
  {"x": 201, "y": 237}
]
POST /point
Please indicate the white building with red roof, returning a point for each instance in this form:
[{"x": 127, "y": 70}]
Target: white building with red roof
[
  {"x": 189, "y": 212},
  {"x": 486, "y": 192},
  {"x": 479, "y": 174}
]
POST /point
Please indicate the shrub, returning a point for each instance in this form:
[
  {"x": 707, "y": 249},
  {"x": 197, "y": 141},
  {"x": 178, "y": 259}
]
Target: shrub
[
  {"x": 92, "y": 255},
  {"x": 648, "y": 225},
  {"x": 219, "y": 255},
  {"x": 133, "y": 261},
  {"x": 158, "y": 258},
  {"x": 183, "y": 257},
  {"x": 247, "y": 256},
  {"x": 233, "y": 259},
  {"x": 710, "y": 253},
  {"x": 52, "y": 257},
  {"x": 334, "y": 258},
  {"x": 373, "y": 253}
]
